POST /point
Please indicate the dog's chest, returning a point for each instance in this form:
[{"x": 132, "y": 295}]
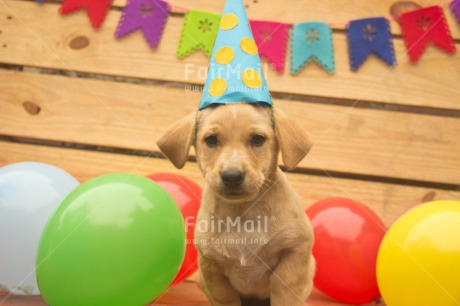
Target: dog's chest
[
  {"x": 244, "y": 260},
  {"x": 238, "y": 247}
]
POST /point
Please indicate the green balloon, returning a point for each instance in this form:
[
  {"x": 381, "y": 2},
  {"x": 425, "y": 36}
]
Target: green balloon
[{"x": 118, "y": 239}]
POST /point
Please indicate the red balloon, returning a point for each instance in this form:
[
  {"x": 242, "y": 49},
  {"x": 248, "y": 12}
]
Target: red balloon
[
  {"x": 347, "y": 239},
  {"x": 187, "y": 195}
]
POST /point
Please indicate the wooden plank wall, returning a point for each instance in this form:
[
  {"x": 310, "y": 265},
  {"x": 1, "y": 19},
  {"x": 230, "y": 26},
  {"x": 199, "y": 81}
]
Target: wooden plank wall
[{"x": 388, "y": 137}]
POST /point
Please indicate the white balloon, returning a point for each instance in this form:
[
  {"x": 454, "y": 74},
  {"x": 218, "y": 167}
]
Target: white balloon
[{"x": 29, "y": 194}]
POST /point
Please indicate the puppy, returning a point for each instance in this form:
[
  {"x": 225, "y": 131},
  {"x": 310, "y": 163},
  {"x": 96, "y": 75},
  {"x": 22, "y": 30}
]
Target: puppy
[{"x": 252, "y": 234}]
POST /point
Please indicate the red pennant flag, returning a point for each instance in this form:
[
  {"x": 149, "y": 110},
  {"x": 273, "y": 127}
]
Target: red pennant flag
[
  {"x": 96, "y": 9},
  {"x": 271, "y": 39},
  {"x": 424, "y": 26}
]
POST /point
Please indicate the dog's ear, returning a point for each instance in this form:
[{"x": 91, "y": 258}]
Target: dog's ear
[
  {"x": 293, "y": 140},
  {"x": 177, "y": 140}
]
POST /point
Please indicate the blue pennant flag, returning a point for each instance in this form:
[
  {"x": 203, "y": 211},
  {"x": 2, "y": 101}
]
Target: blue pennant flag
[
  {"x": 370, "y": 35},
  {"x": 312, "y": 41}
]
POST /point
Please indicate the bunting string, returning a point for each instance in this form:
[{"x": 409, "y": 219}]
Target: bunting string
[{"x": 308, "y": 41}]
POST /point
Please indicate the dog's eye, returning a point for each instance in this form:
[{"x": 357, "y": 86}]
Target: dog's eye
[
  {"x": 257, "y": 140},
  {"x": 211, "y": 141}
]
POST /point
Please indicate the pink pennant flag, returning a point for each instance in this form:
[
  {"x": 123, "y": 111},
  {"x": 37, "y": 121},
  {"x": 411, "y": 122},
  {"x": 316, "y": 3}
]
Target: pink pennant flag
[
  {"x": 147, "y": 15},
  {"x": 271, "y": 39}
]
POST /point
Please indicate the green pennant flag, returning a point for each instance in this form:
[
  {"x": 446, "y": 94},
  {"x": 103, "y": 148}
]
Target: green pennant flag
[{"x": 199, "y": 32}]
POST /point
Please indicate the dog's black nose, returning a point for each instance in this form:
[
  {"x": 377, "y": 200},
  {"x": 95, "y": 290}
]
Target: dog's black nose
[{"x": 232, "y": 178}]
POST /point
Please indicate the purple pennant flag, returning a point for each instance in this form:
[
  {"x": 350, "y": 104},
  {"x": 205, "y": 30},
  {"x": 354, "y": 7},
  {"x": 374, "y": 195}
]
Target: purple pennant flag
[
  {"x": 148, "y": 15},
  {"x": 455, "y": 7}
]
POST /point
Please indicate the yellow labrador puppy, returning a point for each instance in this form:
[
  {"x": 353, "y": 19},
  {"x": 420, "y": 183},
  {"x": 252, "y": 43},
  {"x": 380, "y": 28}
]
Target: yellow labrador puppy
[{"x": 253, "y": 236}]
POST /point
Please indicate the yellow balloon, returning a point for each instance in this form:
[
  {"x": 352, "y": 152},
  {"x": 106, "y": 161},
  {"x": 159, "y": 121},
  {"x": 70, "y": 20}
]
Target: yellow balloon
[{"x": 419, "y": 258}]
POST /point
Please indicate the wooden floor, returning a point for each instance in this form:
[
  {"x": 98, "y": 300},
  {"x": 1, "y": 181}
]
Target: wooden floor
[
  {"x": 386, "y": 137},
  {"x": 184, "y": 294}
]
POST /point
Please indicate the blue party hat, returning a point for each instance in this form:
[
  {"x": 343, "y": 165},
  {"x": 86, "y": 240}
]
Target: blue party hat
[{"x": 235, "y": 72}]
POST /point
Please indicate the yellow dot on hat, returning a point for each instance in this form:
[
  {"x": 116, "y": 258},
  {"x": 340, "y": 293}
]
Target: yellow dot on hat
[
  {"x": 225, "y": 55},
  {"x": 251, "y": 78},
  {"x": 228, "y": 21},
  {"x": 249, "y": 46},
  {"x": 217, "y": 87}
]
